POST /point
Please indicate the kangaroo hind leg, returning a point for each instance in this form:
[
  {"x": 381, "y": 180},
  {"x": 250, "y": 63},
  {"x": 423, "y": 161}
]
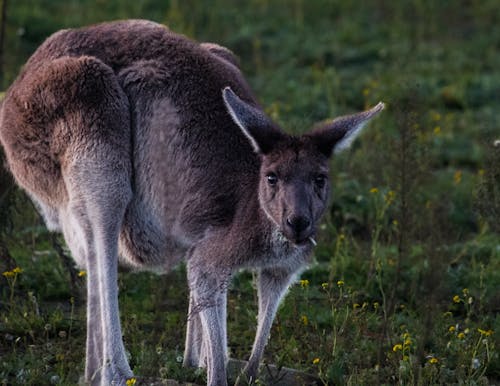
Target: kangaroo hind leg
[{"x": 96, "y": 172}]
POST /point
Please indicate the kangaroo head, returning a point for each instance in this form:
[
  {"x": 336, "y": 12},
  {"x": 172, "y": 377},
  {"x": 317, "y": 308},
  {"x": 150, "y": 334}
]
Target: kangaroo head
[{"x": 293, "y": 186}]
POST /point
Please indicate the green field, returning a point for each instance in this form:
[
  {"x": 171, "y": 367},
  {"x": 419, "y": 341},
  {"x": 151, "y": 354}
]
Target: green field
[{"x": 405, "y": 288}]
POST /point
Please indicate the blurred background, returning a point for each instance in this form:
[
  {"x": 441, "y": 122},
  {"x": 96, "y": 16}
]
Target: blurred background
[{"x": 405, "y": 285}]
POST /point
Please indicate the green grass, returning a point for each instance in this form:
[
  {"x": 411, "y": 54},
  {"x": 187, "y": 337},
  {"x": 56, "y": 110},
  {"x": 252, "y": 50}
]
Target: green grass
[{"x": 404, "y": 289}]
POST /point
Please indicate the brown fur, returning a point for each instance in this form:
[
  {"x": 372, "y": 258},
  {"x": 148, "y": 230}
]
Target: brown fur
[{"x": 131, "y": 141}]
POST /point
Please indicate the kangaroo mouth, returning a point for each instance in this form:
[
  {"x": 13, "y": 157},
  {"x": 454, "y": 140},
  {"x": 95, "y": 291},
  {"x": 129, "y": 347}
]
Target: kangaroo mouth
[
  {"x": 306, "y": 241},
  {"x": 301, "y": 241}
]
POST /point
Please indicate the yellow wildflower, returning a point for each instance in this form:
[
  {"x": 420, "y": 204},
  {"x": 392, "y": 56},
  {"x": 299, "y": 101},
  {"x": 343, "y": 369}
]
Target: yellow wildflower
[
  {"x": 374, "y": 190},
  {"x": 82, "y": 273},
  {"x": 451, "y": 329},
  {"x": 389, "y": 197},
  {"x": 397, "y": 347},
  {"x": 457, "y": 177},
  {"x": 456, "y": 299},
  {"x": 340, "y": 283},
  {"x": 355, "y": 305},
  {"x": 437, "y": 130},
  {"x": 436, "y": 116},
  {"x": 8, "y": 274},
  {"x": 407, "y": 342},
  {"x": 376, "y": 305},
  {"x": 461, "y": 335},
  {"x": 131, "y": 382},
  {"x": 485, "y": 332},
  {"x": 465, "y": 291},
  {"x": 324, "y": 285},
  {"x": 17, "y": 270},
  {"x": 316, "y": 361},
  {"x": 433, "y": 360},
  {"x": 304, "y": 319}
]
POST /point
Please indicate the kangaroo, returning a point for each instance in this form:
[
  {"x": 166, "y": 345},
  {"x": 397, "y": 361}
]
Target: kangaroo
[{"x": 145, "y": 147}]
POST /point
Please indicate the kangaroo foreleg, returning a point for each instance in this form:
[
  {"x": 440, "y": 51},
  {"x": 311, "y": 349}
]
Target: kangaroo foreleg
[{"x": 272, "y": 285}]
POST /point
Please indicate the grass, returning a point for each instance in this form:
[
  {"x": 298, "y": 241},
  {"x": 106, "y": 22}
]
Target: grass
[{"x": 404, "y": 289}]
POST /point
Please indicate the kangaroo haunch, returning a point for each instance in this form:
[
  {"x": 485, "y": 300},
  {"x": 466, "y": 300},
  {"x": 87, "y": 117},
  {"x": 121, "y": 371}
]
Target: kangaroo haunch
[{"x": 143, "y": 146}]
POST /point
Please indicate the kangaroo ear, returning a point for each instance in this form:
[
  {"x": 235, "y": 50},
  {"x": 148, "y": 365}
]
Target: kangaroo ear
[
  {"x": 257, "y": 127},
  {"x": 339, "y": 134}
]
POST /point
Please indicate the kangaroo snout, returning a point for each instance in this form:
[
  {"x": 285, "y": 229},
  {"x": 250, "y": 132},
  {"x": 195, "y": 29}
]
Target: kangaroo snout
[{"x": 298, "y": 227}]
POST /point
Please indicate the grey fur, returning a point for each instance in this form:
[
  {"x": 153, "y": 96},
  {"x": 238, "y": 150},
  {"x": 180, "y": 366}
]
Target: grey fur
[{"x": 124, "y": 138}]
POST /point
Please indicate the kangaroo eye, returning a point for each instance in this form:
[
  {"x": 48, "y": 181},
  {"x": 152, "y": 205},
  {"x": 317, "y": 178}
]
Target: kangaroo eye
[
  {"x": 320, "y": 180},
  {"x": 272, "y": 179}
]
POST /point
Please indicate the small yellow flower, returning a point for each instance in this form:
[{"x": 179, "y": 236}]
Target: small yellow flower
[
  {"x": 304, "y": 319},
  {"x": 461, "y": 335},
  {"x": 355, "y": 305},
  {"x": 8, "y": 274},
  {"x": 465, "y": 291},
  {"x": 17, "y": 270},
  {"x": 397, "y": 347},
  {"x": 436, "y": 116},
  {"x": 304, "y": 283},
  {"x": 389, "y": 197},
  {"x": 485, "y": 332},
  {"x": 82, "y": 274},
  {"x": 316, "y": 361},
  {"x": 395, "y": 223},
  {"x": 437, "y": 130},
  {"x": 374, "y": 190},
  {"x": 376, "y": 305},
  {"x": 457, "y": 177},
  {"x": 324, "y": 286},
  {"x": 406, "y": 358},
  {"x": 451, "y": 329},
  {"x": 340, "y": 283},
  {"x": 131, "y": 382},
  {"x": 433, "y": 360},
  {"x": 456, "y": 299},
  {"x": 407, "y": 342}
]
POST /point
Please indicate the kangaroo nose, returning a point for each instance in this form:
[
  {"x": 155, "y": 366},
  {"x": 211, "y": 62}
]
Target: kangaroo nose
[{"x": 298, "y": 223}]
